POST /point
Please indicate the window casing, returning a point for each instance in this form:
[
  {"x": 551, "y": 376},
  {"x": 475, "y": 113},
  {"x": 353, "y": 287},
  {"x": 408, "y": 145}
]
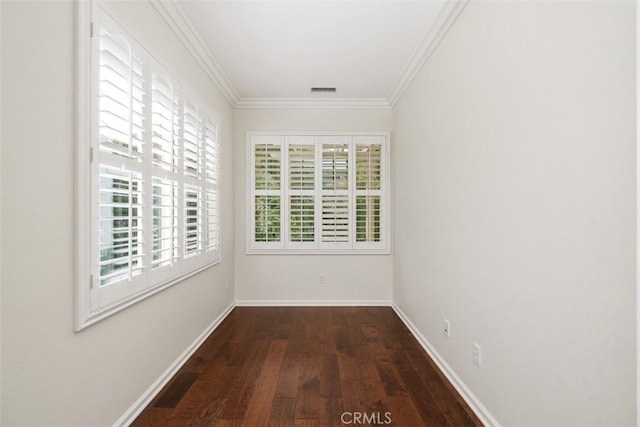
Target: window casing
[
  {"x": 310, "y": 192},
  {"x": 148, "y": 211}
]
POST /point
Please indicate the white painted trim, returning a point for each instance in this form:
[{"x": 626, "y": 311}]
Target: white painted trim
[
  {"x": 0, "y": 194},
  {"x": 173, "y": 15},
  {"x": 176, "y": 19},
  {"x": 368, "y": 103},
  {"x": 474, "y": 403},
  {"x": 149, "y": 394},
  {"x": 84, "y": 320},
  {"x": 82, "y": 220},
  {"x": 637, "y": 234},
  {"x": 313, "y": 303},
  {"x": 450, "y": 11}
]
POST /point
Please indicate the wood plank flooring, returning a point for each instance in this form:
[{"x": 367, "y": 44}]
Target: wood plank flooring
[{"x": 309, "y": 366}]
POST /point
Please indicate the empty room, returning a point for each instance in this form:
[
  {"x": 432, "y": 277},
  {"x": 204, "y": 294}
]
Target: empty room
[{"x": 319, "y": 213}]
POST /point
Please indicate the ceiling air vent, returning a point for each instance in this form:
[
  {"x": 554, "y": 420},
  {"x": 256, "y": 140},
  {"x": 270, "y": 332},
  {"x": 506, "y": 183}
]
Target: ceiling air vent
[{"x": 323, "y": 90}]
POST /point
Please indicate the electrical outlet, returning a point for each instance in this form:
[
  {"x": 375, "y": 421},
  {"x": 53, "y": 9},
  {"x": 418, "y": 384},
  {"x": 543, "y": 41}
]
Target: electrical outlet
[
  {"x": 321, "y": 280},
  {"x": 477, "y": 354},
  {"x": 447, "y": 328},
  {"x": 226, "y": 284}
]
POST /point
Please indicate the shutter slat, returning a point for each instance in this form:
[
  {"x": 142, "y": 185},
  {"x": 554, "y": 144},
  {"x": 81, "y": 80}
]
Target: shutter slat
[{"x": 165, "y": 223}]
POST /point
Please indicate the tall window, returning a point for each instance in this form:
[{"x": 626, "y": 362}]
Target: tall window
[
  {"x": 317, "y": 193},
  {"x": 152, "y": 195}
]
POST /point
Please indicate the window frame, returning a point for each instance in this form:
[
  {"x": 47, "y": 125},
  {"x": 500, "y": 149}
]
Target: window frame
[
  {"x": 284, "y": 246},
  {"x": 89, "y": 305}
]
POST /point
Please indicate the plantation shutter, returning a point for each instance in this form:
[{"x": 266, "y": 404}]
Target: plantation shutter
[
  {"x": 165, "y": 124},
  {"x": 165, "y": 217},
  {"x": 192, "y": 155},
  {"x": 193, "y": 221},
  {"x": 336, "y": 203},
  {"x": 165, "y": 223},
  {"x": 192, "y": 163},
  {"x": 149, "y": 211},
  {"x": 368, "y": 192},
  {"x": 317, "y": 192},
  {"x": 266, "y": 193},
  {"x": 300, "y": 191},
  {"x": 118, "y": 166},
  {"x": 211, "y": 196}
]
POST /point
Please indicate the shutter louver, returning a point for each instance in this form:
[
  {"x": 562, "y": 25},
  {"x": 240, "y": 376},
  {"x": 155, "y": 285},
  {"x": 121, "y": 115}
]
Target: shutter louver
[
  {"x": 368, "y": 194},
  {"x": 335, "y": 166},
  {"x": 335, "y": 219},
  {"x": 267, "y": 190},
  {"x": 302, "y": 171},
  {"x": 121, "y": 97},
  {"x": 211, "y": 171},
  {"x": 192, "y": 155},
  {"x": 212, "y": 220},
  {"x": 120, "y": 225},
  {"x": 267, "y": 219},
  {"x": 335, "y": 195},
  {"x": 165, "y": 124},
  {"x": 211, "y": 155},
  {"x": 368, "y": 166},
  {"x": 367, "y": 218},
  {"x": 165, "y": 223},
  {"x": 193, "y": 221},
  {"x": 301, "y": 219},
  {"x": 267, "y": 167}
]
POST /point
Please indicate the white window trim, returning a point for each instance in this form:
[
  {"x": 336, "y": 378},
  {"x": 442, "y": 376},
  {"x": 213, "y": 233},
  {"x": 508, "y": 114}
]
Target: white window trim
[
  {"x": 282, "y": 248},
  {"x": 84, "y": 315}
]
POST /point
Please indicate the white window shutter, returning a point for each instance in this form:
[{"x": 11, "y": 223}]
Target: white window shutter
[
  {"x": 118, "y": 222},
  {"x": 317, "y": 192},
  {"x": 369, "y": 232},
  {"x": 300, "y": 191},
  {"x": 165, "y": 124},
  {"x": 266, "y": 193},
  {"x": 192, "y": 142},
  {"x": 192, "y": 221},
  {"x": 121, "y": 96},
  {"x": 165, "y": 223},
  {"x": 153, "y": 207},
  {"x": 212, "y": 177},
  {"x": 336, "y": 199}
]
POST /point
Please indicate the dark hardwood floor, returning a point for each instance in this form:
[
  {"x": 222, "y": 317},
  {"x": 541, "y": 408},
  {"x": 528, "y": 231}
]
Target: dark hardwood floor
[{"x": 309, "y": 366}]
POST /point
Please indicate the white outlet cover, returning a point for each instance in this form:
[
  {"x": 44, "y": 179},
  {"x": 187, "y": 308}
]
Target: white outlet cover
[{"x": 477, "y": 354}]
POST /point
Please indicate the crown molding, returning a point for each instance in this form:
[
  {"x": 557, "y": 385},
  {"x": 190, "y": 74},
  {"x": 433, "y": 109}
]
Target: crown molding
[
  {"x": 372, "y": 103},
  {"x": 450, "y": 11},
  {"x": 173, "y": 15},
  {"x": 179, "y": 23}
]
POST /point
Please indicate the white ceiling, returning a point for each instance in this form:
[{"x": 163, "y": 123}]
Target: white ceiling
[{"x": 275, "y": 50}]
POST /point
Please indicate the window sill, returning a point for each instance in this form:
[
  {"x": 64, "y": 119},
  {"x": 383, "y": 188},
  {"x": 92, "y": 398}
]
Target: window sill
[
  {"x": 98, "y": 315},
  {"x": 317, "y": 252}
]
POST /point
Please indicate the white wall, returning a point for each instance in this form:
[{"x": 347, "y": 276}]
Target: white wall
[
  {"x": 295, "y": 277},
  {"x": 514, "y": 154},
  {"x": 50, "y": 375}
]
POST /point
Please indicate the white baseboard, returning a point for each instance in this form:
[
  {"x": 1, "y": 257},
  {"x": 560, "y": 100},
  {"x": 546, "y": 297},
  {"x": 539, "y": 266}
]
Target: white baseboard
[
  {"x": 139, "y": 405},
  {"x": 476, "y": 406},
  {"x": 311, "y": 303}
]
